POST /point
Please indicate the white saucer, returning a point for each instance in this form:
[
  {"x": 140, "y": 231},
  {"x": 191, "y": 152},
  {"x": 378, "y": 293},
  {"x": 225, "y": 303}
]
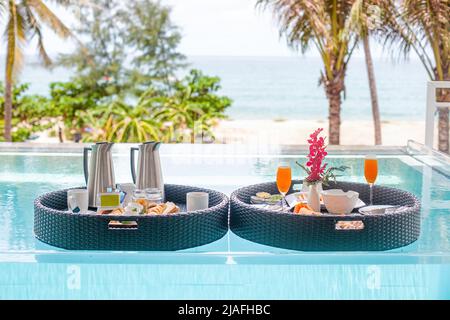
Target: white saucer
[{"x": 374, "y": 209}]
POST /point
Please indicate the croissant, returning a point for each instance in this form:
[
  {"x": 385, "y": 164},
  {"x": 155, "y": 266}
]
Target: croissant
[
  {"x": 171, "y": 208},
  {"x": 159, "y": 209},
  {"x": 152, "y": 205}
]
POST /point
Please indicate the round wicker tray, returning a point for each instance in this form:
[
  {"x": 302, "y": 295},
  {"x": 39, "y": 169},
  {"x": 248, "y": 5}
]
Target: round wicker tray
[
  {"x": 54, "y": 225},
  {"x": 319, "y": 233}
]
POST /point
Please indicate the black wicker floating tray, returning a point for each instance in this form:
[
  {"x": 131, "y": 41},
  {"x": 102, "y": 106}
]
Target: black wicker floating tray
[
  {"x": 319, "y": 233},
  {"x": 54, "y": 225}
]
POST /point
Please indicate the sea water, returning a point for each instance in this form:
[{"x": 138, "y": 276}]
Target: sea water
[{"x": 281, "y": 88}]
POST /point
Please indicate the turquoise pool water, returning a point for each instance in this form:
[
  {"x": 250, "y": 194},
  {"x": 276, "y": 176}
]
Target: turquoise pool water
[{"x": 231, "y": 268}]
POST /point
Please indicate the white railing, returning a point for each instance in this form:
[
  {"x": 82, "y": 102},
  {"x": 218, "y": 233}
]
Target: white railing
[
  {"x": 432, "y": 107},
  {"x": 432, "y": 160}
]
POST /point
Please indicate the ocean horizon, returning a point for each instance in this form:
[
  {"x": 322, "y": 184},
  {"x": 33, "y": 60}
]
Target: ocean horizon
[{"x": 287, "y": 88}]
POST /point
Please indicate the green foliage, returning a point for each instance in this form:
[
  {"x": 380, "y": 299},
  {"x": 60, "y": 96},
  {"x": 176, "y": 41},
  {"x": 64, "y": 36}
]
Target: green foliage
[
  {"x": 191, "y": 107},
  {"x": 99, "y": 61},
  {"x": 24, "y": 22},
  {"x": 128, "y": 48},
  {"x": 329, "y": 174},
  {"x": 125, "y": 87},
  {"x": 25, "y": 107},
  {"x": 68, "y": 98},
  {"x": 120, "y": 122},
  {"x": 153, "y": 38},
  {"x": 194, "y": 104}
]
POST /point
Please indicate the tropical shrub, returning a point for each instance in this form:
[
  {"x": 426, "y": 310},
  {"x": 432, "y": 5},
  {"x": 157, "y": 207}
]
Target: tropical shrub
[
  {"x": 28, "y": 113},
  {"x": 120, "y": 122},
  {"x": 191, "y": 108}
]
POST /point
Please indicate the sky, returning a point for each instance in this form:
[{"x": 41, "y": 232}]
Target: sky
[
  {"x": 210, "y": 28},
  {"x": 226, "y": 27}
]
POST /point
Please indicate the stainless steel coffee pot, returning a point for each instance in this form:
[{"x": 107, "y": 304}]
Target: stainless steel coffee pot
[
  {"x": 149, "y": 172},
  {"x": 99, "y": 175}
]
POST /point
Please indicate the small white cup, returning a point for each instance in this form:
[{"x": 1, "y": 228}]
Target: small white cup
[
  {"x": 77, "y": 201},
  {"x": 196, "y": 201}
]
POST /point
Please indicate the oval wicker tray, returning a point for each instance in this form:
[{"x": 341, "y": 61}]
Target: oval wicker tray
[
  {"x": 319, "y": 233},
  {"x": 54, "y": 225}
]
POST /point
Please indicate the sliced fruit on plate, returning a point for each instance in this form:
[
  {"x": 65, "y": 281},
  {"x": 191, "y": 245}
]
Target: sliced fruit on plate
[
  {"x": 263, "y": 195},
  {"x": 304, "y": 209}
]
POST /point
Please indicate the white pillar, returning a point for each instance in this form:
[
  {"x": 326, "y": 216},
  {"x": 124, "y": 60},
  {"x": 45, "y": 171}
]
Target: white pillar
[{"x": 431, "y": 108}]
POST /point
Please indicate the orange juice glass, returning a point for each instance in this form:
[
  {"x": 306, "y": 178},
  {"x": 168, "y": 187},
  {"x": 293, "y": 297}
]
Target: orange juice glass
[
  {"x": 284, "y": 181},
  {"x": 371, "y": 173},
  {"x": 371, "y": 169}
]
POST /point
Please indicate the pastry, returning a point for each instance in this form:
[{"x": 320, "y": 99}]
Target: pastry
[
  {"x": 159, "y": 209},
  {"x": 118, "y": 212},
  {"x": 151, "y": 205},
  {"x": 105, "y": 212},
  {"x": 143, "y": 202},
  {"x": 171, "y": 208},
  {"x": 164, "y": 208}
]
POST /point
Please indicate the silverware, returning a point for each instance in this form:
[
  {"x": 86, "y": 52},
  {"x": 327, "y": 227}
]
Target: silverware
[{"x": 99, "y": 174}]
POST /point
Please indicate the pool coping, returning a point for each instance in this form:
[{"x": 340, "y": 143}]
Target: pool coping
[
  {"x": 227, "y": 257},
  {"x": 26, "y": 147}
]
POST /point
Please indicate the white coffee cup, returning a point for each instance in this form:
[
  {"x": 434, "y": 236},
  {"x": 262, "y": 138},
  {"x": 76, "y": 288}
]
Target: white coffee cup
[
  {"x": 77, "y": 200},
  {"x": 196, "y": 201}
]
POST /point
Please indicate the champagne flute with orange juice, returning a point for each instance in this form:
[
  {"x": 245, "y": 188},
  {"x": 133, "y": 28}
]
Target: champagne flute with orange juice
[
  {"x": 371, "y": 173},
  {"x": 284, "y": 180}
]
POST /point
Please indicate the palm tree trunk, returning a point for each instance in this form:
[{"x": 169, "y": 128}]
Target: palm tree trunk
[
  {"x": 443, "y": 95},
  {"x": 333, "y": 90},
  {"x": 443, "y": 129},
  {"x": 8, "y": 110},
  {"x": 373, "y": 91}
]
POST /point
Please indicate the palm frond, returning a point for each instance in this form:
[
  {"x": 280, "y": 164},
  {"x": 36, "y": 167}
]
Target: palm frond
[
  {"x": 321, "y": 23},
  {"x": 35, "y": 28},
  {"x": 47, "y": 17},
  {"x": 423, "y": 26}
]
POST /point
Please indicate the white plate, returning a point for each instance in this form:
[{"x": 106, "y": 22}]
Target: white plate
[
  {"x": 360, "y": 204},
  {"x": 293, "y": 200},
  {"x": 371, "y": 209}
]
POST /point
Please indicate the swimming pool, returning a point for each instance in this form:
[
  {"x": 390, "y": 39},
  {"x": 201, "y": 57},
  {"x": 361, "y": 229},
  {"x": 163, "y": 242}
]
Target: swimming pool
[{"x": 231, "y": 268}]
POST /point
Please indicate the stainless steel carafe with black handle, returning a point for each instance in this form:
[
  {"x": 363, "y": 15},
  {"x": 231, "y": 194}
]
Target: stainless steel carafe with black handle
[
  {"x": 99, "y": 174},
  {"x": 149, "y": 172}
]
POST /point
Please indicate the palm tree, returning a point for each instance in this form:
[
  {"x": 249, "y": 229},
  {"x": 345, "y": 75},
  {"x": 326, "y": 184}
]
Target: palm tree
[
  {"x": 131, "y": 124},
  {"x": 120, "y": 122},
  {"x": 367, "y": 18},
  {"x": 423, "y": 26},
  {"x": 25, "y": 20},
  {"x": 325, "y": 24}
]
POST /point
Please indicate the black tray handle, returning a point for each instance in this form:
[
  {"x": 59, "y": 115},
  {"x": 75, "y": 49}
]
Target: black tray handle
[
  {"x": 133, "y": 163},
  {"x": 85, "y": 163}
]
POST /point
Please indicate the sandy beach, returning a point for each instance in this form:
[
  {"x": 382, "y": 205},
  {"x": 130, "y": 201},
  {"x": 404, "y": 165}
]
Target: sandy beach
[
  {"x": 395, "y": 133},
  {"x": 296, "y": 132}
]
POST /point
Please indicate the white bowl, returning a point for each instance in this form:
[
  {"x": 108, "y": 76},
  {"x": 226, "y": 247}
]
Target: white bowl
[{"x": 340, "y": 202}]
